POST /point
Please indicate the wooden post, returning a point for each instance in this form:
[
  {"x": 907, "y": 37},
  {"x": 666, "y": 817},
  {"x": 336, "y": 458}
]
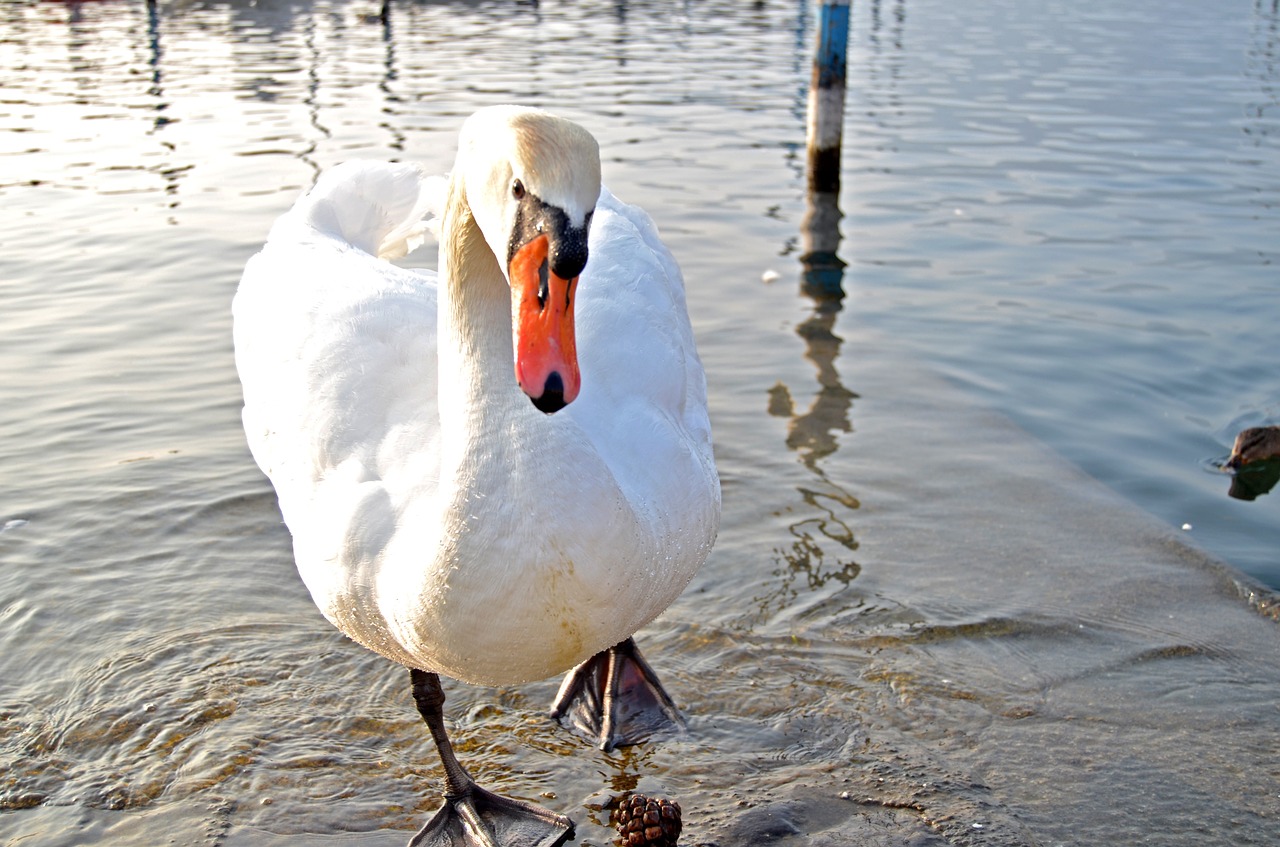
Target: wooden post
[
  {"x": 826, "y": 96},
  {"x": 820, "y": 230}
]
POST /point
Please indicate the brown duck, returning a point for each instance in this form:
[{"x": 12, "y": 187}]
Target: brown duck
[{"x": 1255, "y": 445}]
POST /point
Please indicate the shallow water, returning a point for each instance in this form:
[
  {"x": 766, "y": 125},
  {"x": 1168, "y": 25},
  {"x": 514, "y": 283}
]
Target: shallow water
[{"x": 921, "y": 624}]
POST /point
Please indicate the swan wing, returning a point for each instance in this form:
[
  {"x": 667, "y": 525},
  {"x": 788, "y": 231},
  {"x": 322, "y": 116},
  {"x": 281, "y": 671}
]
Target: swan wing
[
  {"x": 644, "y": 397},
  {"x": 337, "y": 355}
]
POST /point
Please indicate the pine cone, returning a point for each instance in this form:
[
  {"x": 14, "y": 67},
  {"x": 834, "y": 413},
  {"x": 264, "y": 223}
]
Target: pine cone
[{"x": 642, "y": 822}]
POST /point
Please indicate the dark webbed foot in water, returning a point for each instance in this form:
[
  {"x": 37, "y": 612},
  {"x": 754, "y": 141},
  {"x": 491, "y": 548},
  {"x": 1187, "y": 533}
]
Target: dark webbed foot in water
[
  {"x": 615, "y": 699},
  {"x": 472, "y": 816},
  {"x": 483, "y": 818}
]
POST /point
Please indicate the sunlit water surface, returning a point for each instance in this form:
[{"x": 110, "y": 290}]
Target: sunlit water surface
[{"x": 953, "y": 601}]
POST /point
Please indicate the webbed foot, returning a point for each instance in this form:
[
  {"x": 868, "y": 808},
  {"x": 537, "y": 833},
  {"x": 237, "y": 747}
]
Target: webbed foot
[
  {"x": 472, "y": 816},
  {"x": 480, "y": 818},
  {"x": 615, "y": 699}
]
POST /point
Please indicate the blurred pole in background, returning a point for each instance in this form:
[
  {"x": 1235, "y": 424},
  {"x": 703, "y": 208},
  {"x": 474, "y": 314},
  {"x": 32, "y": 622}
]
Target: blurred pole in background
[
  {"x": 826, "y": 96},
  {"x": 820, "y": 230}
]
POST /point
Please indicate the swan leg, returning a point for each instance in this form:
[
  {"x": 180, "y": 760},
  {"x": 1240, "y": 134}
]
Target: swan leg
[
  {"x": 615, "y": 699},
  {"x": 472, "y": 816}
]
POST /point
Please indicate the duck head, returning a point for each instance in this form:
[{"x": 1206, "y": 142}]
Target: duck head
[{"x": 532, "y": 182}]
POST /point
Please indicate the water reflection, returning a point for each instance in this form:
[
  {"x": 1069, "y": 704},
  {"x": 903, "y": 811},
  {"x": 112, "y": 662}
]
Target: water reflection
[
  {"x": 814, "y": 433},
  {"x": 1253, "y": 481},
  {"x": 879, "y": 90},
  {"x": 109, "y": 64},
  {"x": 1261, "y": 64},
  {"x": 899, "y": 15},
  {"x": 1260, "y": 59},
  {"x": 155, "y": 54},
  {"x": 391, "y": 75}
]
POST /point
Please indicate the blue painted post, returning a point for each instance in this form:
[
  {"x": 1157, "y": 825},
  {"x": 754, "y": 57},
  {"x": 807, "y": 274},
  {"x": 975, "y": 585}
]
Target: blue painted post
[
  {"x": 826, "y": 96},
  {"x": 820, "y": 231}
]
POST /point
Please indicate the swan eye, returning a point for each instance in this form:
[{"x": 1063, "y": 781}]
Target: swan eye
[{"x": 517, "y": 189}]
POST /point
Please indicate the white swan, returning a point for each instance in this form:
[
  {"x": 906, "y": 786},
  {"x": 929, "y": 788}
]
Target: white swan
[{"x": 439, "y": 517}]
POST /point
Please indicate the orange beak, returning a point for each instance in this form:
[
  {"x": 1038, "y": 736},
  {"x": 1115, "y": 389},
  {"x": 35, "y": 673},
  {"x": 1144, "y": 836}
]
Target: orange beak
[{"x": 542, "y": 322}]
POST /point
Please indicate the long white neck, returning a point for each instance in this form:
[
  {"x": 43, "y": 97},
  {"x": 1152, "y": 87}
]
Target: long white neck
[{"x": 478, "y": 393}]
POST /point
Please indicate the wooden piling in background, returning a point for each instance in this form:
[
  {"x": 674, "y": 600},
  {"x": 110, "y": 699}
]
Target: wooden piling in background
[
  {"x": 823, "y": 277},
  {"x": 826, "y": 96}
]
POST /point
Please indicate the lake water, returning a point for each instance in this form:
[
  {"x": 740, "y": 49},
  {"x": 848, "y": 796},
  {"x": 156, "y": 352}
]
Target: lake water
[{"x": 978, "y": 580}]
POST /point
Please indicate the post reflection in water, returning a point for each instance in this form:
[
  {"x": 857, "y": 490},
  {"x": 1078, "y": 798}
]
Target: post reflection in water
[{"x": 814, "y": 433}]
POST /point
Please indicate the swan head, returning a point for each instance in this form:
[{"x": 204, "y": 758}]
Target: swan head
[{"x": 532, "y": 181}]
